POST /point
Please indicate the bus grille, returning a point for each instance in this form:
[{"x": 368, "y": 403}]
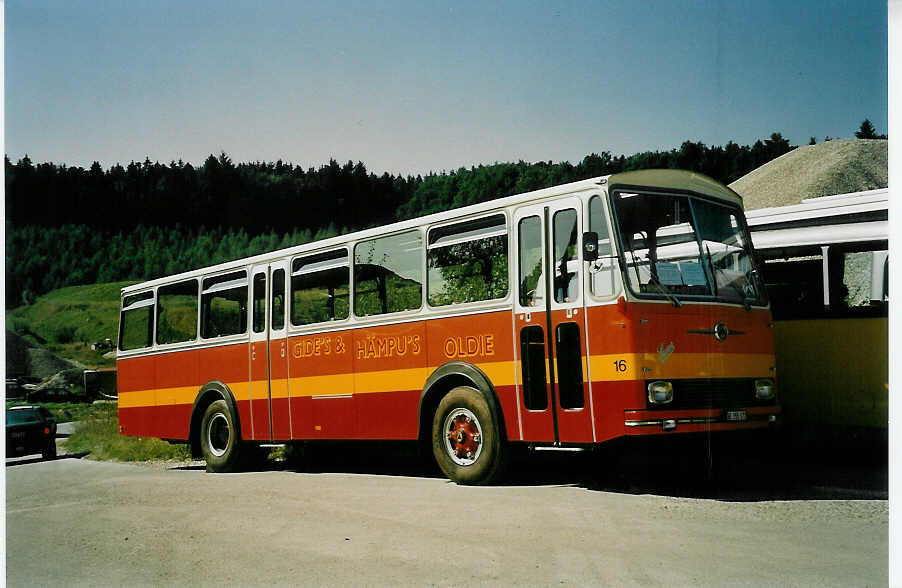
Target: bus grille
[{"x": 712, "y": 393}]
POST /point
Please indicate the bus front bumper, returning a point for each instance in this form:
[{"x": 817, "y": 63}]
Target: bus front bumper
[{"x": 644, "y": 422}]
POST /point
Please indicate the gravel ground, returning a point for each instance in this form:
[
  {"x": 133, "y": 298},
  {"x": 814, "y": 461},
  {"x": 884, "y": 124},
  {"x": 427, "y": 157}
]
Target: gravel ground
[{"x": 152, "y": 525}]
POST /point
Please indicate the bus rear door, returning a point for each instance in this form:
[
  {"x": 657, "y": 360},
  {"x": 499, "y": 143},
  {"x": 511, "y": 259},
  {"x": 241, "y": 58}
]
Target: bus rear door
[{"x": 269, "y": 354}]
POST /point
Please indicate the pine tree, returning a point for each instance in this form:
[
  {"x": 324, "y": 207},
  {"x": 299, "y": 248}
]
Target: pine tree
[{"x": 866, "y": 131}]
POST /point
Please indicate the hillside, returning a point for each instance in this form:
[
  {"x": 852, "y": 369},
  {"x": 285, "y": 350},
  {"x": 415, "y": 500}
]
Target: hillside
[
  {"x": 69, "y": 226},
  {"x": 834, "y": 167},
  {"x": 68, "y": 320}
]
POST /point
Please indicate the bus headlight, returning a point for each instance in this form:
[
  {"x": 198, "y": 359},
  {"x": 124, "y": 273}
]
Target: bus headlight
[
  {"x": 764, "y": 389},
  {"x": 660, "y": 392}
]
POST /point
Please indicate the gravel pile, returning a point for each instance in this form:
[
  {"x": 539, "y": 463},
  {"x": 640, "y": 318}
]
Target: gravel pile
[
  {"x": 63, "y": 380},
  {"x": 43, "y": 364},
  {"x": 23, "y": 359},
  {"x": 839, "y": 166}
]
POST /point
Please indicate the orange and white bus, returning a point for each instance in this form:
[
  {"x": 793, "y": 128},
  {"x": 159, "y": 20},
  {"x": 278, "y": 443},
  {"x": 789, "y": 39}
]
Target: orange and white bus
[{"x": 625, "y": 305}]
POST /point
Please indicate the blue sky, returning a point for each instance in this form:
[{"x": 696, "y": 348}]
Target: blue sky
[{"x": 420, "y": 86}]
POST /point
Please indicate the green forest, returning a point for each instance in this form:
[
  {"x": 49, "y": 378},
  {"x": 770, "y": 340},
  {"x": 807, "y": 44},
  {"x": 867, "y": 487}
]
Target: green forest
[{"x": 69, "y": 226}]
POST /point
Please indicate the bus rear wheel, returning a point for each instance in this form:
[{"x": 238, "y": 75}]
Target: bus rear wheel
[
  {"x": 220, "y": 440},
  {"x": 466, "y": 440}
]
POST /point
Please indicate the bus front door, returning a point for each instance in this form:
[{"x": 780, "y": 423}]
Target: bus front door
[
  {"x": 549, "y": 319},
  {"x": 269, "y": 354}
]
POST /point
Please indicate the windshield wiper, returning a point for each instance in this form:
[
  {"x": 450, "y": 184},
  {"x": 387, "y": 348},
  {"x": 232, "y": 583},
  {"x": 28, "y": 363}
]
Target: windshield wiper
[
  {"x": 652, "y": 277},
  {"x": 746, "y": 301},
  {"x": 711, "y": 267}
]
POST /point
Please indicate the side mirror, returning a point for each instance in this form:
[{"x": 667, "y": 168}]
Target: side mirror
[{"x": 590, "y": 246}]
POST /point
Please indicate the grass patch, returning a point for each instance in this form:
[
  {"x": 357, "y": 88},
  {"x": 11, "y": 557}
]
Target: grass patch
[
  {"x": 67, "y": 320},
  {"x": 63, "y": 411},
  {"x": 98, "y": 435}
]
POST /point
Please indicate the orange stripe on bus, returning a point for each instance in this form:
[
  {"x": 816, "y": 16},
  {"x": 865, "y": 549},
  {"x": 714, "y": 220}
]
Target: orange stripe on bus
[{"x": 604, "y": 368}]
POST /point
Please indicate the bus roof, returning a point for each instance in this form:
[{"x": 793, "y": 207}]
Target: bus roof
[
  {"x": 855, "y": 217},
  {"x": 814, "y": 211},
  {"x": 673, "y": 179}
]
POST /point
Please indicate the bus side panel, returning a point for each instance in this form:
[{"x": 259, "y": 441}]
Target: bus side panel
[
  {"x": 389, "y": 372},
  {"x": 486, "y": 341},
  {"x": 507, "y": 397},
  {"x": 609, "y": 400},
  {"x": 175, "y": 379},
  {"x": 388, "y": 415},
  {"x": 136, "y": 396},
  {"x": 281, "y": 426},
  {"x": 321, "y": 385},
  {"x": 834, "y": 371},
  {"x": 230, "y": 364},
  {"x": 610, "y": 339}
]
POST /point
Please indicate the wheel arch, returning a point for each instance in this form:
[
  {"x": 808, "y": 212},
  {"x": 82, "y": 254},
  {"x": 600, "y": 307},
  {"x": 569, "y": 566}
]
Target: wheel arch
[
  {"x": 445, "y": 378},
  {"x": 208, "y": 394}
]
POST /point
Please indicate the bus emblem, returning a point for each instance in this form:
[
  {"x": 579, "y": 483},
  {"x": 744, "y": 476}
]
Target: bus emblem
[{"x": 721, "y": 332}]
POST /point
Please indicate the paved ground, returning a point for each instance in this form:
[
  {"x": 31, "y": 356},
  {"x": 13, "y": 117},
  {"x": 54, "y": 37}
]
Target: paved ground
[{"x": 359, "y": 521}]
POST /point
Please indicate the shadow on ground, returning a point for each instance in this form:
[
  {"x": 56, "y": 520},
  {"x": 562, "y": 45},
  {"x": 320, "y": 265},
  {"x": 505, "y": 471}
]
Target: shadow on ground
[
  {"x": 29, "y": 459},
  {"x": 700, "y": 468}
]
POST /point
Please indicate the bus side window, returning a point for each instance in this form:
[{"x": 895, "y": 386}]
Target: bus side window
[
  {"x": 319, "y": 288},
  {"x": 862, "y": 280},
  {"x": 602, "y": 274},
  {"x": 224, "y": 305},
  {"x": 277, "y": 308},
  {"x": 530, "y": 278},
  {"x": 388, "y": 274},
  {"x": 467, "y": 262},
  {"x": 566, "y": 255},
  {"x": 259, "y": 304},
  {"x": 177, "y": 312},
  {"x": 879, "y": 277},
  {"x": 136, "y": 322},
  {"x": 598, "y": 222}
]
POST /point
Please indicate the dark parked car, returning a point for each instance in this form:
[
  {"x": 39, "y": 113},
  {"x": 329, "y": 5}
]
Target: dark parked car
[{"x": 30, "y": 429}]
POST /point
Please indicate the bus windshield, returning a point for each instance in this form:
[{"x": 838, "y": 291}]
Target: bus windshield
[{"x": 680, "y": 246}]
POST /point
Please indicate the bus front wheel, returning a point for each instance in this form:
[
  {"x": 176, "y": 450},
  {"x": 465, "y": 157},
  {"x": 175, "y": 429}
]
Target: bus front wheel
[
  {"x": 220, "y": 439},
  {"x": 466, "y": 438}
]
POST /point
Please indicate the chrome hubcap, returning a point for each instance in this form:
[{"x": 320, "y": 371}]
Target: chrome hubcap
[
  {"x": 218, "y": 434},
  {"x": 463, "y": 436}
]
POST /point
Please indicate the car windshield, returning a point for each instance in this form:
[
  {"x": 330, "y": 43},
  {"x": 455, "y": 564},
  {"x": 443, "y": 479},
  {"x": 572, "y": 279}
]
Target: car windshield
[
  {"x": 678, "y": 246},
  {"x": 22, "y": 416}
]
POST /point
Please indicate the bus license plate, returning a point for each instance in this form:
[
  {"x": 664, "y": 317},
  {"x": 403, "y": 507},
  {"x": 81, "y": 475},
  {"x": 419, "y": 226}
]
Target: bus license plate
[{"x": 736, "y": 415}]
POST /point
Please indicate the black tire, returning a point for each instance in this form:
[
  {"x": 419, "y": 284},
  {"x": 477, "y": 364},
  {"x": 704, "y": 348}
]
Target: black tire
[
  {"x": 220, "y": 439},
  {"x": 50, "y": 451},
  {"x": 463, "y": 456}
]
